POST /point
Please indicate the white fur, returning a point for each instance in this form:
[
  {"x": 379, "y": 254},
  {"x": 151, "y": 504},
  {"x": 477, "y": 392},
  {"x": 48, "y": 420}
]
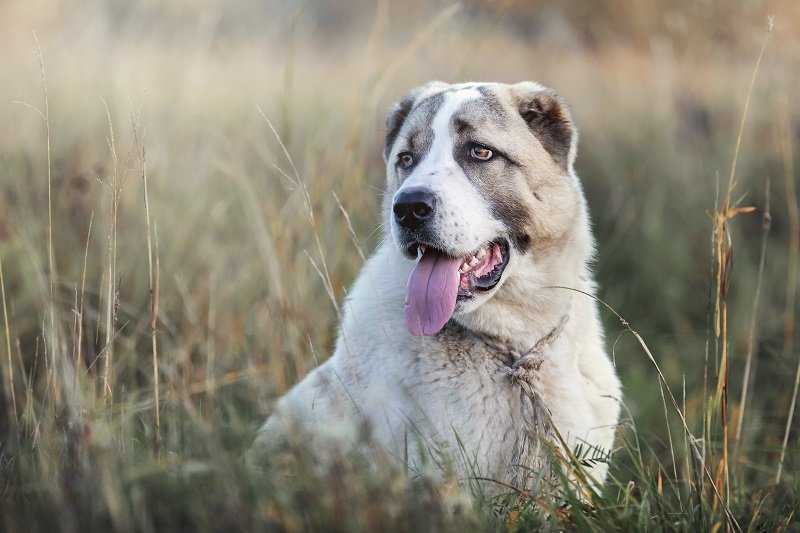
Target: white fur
[{"x": 464, "y": 218}]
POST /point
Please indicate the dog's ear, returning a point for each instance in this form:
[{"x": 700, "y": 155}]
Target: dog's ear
[
  {"x": 548, "y": 117},
  {"x": 400, "y": 111},
  {"x": 394, "y": 121}
]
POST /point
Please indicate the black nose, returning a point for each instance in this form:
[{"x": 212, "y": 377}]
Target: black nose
[{"x": 414, "y": 207}]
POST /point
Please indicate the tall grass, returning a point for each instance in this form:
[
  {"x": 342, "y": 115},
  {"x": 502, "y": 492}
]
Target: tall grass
[{"x": 181, "y": 210}]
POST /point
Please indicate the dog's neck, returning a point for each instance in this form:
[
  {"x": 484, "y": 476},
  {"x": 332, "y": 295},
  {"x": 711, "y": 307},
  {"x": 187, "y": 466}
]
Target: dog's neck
[
  {"x": 524, "y": 357},
  {"x": 521, "y": 324},
  {"x": 531, "y": 302}
]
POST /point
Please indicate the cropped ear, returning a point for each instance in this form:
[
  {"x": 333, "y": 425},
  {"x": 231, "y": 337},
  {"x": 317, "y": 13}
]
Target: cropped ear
[
  {"x": 548, "y": 117},
  {"x": 400, "y": 111}
]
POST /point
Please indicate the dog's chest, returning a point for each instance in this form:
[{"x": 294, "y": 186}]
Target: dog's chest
[{"x": 462, "y": 395}]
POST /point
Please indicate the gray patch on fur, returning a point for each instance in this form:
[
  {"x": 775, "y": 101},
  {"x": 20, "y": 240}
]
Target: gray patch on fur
[
  {"x": 488, "y": 176},
  {"x": 415, "y": 133}
]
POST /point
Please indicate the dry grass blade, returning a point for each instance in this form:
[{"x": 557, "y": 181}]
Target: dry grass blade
[
  {"x": 298, "y": 182},
  {"x": 669, "y": 433},
  {"x": 154, "y": 344},
  {"x": 153, "y": 277},
  {"x": 79, "y": 341},
  {"x": 766, "y": 223},
  {"x": 46, "y": 117},
  {"x": 794, "y": 234},
  {"x": 111, "y": 287},
  {"x": 350, "y": 229},
  {"x": 724, "y": 262},
  {"x": 791, "y": 281},
  {"x": 13, "y": 417},
  {"x": 51, "y": 274}
]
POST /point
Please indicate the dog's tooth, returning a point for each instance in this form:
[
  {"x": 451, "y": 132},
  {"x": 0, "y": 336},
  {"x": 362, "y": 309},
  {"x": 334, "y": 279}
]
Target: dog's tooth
[
  {"x": 465, "y": 267},
  {"x": 420, "y": 251},
  {"x": 473, "y": 261}
]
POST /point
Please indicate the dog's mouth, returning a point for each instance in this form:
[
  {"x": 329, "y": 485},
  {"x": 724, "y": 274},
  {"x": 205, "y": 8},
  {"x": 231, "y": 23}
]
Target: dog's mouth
[{"x": 439, "y": 280}]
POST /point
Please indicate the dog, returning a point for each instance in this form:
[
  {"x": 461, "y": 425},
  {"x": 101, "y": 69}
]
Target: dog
[{"x": 471, "y": 332}]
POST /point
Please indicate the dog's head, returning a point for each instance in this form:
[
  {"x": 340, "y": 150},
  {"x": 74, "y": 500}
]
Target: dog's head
[{"x": 480, "y": 182}]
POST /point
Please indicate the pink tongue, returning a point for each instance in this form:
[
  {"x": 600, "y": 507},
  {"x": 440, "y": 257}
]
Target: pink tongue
[{"x": 431, "y": 293}]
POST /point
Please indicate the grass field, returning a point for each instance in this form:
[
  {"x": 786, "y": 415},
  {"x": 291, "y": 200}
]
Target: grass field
[{"x": 167, "y": 270}]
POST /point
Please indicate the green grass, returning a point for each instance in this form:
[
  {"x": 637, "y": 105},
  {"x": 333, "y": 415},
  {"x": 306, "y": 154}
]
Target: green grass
[{"x": 253, "y": 258}]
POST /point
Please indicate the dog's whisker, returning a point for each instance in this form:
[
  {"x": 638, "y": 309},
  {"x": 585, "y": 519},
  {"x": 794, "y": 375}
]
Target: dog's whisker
[{"x": 378, "y": 228}]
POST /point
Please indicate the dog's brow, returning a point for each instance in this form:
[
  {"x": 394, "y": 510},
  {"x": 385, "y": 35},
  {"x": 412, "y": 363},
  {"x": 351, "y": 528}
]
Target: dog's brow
[
  {"x": 462, "y": 126},
  {"x": 414, "y": 140}
]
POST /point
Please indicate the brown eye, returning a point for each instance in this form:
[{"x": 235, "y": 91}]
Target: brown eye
[
  {"x": 405, "y": 160},
  {"x": 481, "y": 153}
]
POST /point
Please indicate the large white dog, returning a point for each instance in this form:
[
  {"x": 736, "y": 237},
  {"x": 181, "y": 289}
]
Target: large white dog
[{"x": 461, "y": 337}]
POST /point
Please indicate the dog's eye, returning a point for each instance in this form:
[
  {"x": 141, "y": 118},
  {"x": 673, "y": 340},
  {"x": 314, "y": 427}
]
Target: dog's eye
[
  {"x": 481, "y": 153},
  {"x": 405, "y": 160}
]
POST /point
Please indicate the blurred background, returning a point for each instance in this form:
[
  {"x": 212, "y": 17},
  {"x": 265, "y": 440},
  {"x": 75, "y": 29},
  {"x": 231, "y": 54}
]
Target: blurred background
[{"x": 259, "y": 128}]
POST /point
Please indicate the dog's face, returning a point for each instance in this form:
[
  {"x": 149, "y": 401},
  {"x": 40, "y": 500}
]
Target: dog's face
[{"x": 480, "y": 183}]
